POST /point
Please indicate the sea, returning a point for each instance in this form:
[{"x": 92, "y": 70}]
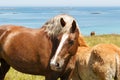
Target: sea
[{"x": 101, "y": 20}]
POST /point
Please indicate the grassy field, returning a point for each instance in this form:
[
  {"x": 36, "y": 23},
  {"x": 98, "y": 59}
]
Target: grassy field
[
  {"x": 109, "y": 39},
  {"x": 91, "y": 41}
]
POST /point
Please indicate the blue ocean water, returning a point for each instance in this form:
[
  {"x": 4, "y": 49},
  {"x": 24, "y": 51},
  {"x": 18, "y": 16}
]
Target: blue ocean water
[{"x": 102, "y": 20}]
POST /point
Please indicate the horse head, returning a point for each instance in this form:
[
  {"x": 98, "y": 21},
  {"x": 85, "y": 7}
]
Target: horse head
[{"x": 65, "y": 28}]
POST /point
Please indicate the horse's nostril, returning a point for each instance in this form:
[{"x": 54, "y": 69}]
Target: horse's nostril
[{"x": 57, "y": 64}]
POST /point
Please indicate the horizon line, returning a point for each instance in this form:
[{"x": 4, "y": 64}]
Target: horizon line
[{"x": 59, "y": 6}]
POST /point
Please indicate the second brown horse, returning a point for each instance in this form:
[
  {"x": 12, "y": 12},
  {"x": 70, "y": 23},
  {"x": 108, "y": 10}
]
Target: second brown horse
[{"x": 100, "y": 62}]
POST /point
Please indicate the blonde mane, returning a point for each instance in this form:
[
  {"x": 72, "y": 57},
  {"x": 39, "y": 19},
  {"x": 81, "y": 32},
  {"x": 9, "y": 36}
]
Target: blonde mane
[{"x": 54, "y": 27}]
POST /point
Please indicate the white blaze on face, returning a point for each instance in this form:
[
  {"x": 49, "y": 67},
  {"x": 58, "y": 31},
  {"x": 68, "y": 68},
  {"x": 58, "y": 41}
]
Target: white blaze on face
[{"x": 64, "y": 37}]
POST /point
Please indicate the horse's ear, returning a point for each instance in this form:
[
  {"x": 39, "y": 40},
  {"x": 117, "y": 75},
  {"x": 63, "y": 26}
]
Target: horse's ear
[
  {"x": 62, "y": 22},
  {"x": 73, "y": 26}
]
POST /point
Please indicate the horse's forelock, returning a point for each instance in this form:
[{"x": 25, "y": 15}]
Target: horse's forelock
[{"x": 55, "y": 27}]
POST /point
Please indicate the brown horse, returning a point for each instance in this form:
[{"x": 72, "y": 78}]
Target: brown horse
[
  {"x": 101, "y": 62},
  {"x": 39, "y": 51}
]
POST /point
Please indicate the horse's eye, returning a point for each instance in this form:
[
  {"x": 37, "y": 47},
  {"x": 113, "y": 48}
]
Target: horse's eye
[{"x": 71, "y": 42}]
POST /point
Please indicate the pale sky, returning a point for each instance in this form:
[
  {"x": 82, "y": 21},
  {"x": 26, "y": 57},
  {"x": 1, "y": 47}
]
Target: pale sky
[{"x": 59, "y": 2}]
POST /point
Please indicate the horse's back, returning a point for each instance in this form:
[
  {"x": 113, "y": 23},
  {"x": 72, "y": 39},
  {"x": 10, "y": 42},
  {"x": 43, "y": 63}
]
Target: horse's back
[
  {"x": 107, "y": 52},
  {"x": 107, "y": 47},
  {"x": 9, "y": 30},
  {"x": 7, "y": 27}
]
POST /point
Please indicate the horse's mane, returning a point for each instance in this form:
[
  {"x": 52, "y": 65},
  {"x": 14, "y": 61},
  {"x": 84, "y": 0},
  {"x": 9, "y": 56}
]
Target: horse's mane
[
  {"x": 54, "y": 27},
  {"x": 81, "y": 41}
]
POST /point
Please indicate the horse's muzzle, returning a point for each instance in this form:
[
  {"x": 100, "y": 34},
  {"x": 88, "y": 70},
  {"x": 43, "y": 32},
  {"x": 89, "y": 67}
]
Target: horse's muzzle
[{"x": 57, "y": 65}]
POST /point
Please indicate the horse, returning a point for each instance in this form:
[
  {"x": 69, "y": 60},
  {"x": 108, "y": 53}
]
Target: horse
[
  {"x": 48, "y": 51},
  {"x": 100, "y": 62},
  {"x": 92, "y": 33}
]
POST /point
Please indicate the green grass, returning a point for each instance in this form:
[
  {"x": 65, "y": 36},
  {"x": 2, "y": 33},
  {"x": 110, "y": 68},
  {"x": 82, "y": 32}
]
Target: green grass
[
  {"x": 15, "y": 75},
  {"x": 91, "y": 41},
  {"x": 109, "y": 39}
]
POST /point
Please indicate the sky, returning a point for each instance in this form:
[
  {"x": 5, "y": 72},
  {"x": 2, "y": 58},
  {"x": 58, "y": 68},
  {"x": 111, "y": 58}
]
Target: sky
[{"x": 60, "y": 3}]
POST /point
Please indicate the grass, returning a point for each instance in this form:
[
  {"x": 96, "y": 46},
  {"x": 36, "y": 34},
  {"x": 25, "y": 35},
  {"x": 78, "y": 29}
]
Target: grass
[
  {"x": 91, "y": 41},
  {"x": 109, "y": 39},
  {"x": 15, "y": 75}
]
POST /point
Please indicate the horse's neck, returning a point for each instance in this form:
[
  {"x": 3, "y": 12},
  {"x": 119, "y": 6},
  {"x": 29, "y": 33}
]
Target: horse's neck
[
  {"x": 82, "y": 42},
  {"x": 82, "y": 45}
]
